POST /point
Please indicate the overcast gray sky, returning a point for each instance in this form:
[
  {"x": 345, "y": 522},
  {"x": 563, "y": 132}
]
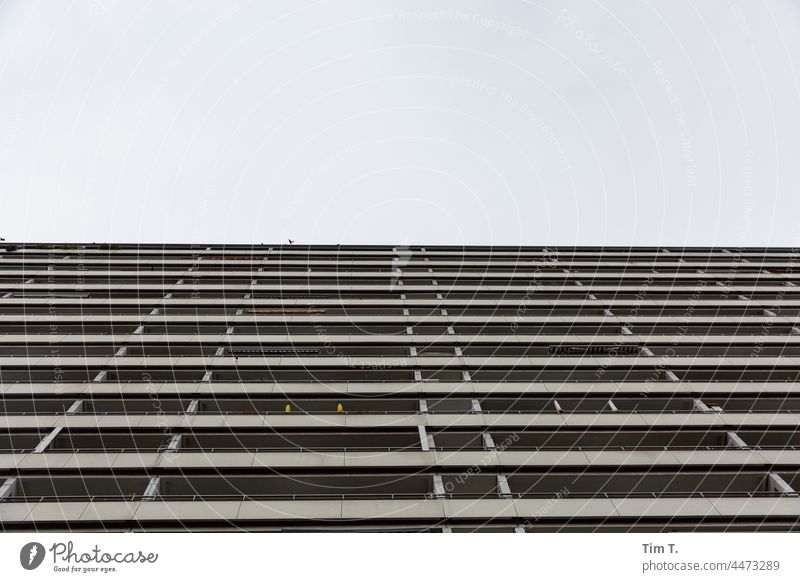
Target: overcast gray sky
[{"x": 481, "y": 122}]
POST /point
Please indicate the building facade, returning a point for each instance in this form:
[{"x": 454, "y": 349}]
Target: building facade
[{"x": 304, "y": 388}]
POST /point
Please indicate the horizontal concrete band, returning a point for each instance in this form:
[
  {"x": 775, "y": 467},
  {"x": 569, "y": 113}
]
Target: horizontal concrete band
[
  {"x": 78, "y": 248},
  {"x": 530, "y": 287},
  {"x": 346, "y": 362},
  {"x": 617, "y": 419},
  {"x": 320, "y": 319},
  {"x": 517, "y": 273},
  {"x": 507, "y": 460},
  {"x": 520, "y": 304},
  {"x": 412, "y": 509},
  {"x": 397, "y": 388},
  {"x": 327, "y": 339},
  {"x": 412, "y": 261}
]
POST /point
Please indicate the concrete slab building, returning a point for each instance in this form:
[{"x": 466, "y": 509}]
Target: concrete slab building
[{"x": 371, "y": 388}]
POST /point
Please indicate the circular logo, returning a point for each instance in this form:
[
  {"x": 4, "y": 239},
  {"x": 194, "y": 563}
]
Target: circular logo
[{"x": 31, "y": 555}]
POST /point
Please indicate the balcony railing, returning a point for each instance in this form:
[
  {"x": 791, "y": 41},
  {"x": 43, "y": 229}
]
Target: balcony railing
[{"x": 395, "y": 496}]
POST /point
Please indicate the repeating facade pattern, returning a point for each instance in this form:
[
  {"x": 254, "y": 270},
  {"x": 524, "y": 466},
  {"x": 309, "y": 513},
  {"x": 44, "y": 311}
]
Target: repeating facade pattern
[{"x": 369, "y": 388}]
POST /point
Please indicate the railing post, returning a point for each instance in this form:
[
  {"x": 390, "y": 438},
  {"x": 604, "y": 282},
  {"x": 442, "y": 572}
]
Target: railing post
[
  {"x": 76, "y": 407},
  {"x": 174, "y": 443},
  {"x": 8, "y": 488},
  {"x": 778, "y": 484},
  {"x": 45, "y": 442},
  {"x": 734, "y": 440},
  {"x": 153, "y": 487},
  {"x": 438, "y": 487},
  {"x": 425, "y": 439},
  {"x": 503, "y": 490}
]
